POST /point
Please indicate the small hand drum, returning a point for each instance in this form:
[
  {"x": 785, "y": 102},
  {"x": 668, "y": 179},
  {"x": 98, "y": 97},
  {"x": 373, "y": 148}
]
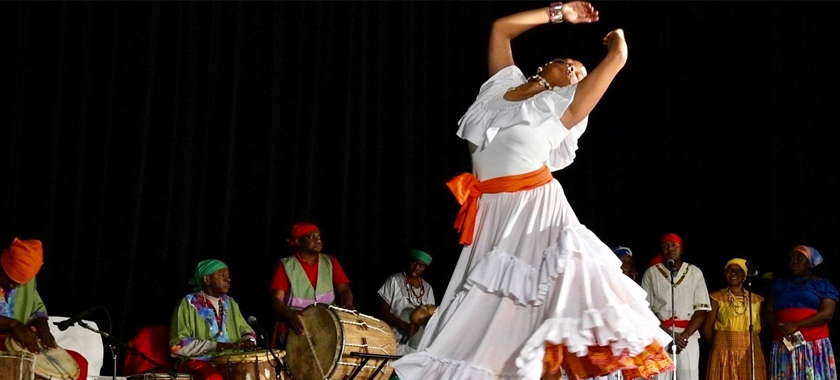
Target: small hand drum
[
  {"x": 53, "y": 363},
  {"x": 16, "y": 365},
  {"x": 254, "y": 365},
  {"x": 422, "y": 314}
]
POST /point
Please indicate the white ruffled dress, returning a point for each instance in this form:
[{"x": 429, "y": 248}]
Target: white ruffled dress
[{"x": 534, "y": 274}]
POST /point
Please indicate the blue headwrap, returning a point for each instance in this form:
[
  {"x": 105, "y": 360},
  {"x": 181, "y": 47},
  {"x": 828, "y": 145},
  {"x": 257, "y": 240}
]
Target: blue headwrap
[
  {"x": 621, "y": 251},
  {"x": 812, "y": 254}
]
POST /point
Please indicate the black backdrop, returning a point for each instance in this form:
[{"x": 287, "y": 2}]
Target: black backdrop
[{"x": 139, "y": 138}]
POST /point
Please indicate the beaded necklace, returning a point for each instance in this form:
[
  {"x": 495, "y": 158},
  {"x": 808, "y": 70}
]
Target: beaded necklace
[
  {"x": 413, "y": 294},
  {"x": 738, "y": 308}
]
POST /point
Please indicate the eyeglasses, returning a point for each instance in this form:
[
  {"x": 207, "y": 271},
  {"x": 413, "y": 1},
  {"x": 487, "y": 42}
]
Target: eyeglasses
[{"x": 733, "y": 271}]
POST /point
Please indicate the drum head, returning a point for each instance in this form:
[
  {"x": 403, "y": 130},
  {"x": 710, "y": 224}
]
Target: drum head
[
  {"x": 321, "y": 344},
  {"x": 53, "y": 363}
]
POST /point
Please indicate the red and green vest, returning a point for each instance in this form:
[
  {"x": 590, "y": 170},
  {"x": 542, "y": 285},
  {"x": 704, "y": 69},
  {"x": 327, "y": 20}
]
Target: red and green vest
[{"x": 301, "y": 293}]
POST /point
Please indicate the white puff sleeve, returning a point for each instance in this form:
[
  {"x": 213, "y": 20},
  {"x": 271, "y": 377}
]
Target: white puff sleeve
[{"x": 485, "y": 117}]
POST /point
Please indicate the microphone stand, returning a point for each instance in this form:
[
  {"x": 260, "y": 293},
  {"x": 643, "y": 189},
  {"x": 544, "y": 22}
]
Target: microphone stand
[
  {"x": 751, "y": 329},
  {"x": 673, "y": 319},
  {"x": 113, "y": 343},
  {"x": 261, "y": 335}
]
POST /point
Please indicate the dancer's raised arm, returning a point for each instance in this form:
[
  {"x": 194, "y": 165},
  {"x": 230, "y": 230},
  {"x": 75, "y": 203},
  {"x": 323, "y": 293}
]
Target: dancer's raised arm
[
  {"x": 507, "y": 28},
  {"x": 592, "y": 87}
]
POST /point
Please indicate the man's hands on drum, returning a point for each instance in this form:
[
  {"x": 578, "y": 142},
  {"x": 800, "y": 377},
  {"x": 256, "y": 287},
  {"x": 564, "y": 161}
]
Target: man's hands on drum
[
  {"x": 26, "y": 337},
  {"x": 412, "y": 329},
  {"x": 44, "y": 335},
  {"x": 296, "y": 322},
  {"x": 247, "y": 344}
]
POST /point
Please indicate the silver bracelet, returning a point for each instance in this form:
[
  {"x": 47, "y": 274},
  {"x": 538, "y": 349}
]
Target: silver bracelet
[{"x": 555, "y": 12}]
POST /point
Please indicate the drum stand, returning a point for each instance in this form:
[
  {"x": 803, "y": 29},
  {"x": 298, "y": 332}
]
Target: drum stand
[
  {"x": 365, "y": 358},
  {"x": 114, "y": 344}
]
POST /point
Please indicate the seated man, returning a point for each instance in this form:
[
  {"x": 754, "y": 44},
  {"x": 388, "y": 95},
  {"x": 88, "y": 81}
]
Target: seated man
[
  {"x": 305, "y": 278},
  {"x": 22, "y": 312},
  {"x": 207, "y": 322},
  {"x": 401, "y": 294}
]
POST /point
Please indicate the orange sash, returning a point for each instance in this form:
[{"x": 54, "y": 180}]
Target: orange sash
[{"x": 467, "y": 189}]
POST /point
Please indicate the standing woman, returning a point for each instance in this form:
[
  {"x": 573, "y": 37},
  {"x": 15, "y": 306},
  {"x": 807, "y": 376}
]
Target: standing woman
[
  {"x": 802, "y": 303},
  {"x": 727, "y": 327},
  {"x": 534, "y": 290}
]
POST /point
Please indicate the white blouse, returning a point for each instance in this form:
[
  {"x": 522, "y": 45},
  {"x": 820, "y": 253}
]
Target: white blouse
[
  {"x": 396, "y": 293},
  {"x": 516, "y": 137}
]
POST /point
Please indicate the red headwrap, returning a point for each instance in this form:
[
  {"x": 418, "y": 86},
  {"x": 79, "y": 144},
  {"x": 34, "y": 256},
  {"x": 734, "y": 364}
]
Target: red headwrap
[
  {"x": 22, "y": 260},
  {"x": 671, "y": 238},
  {"x": 300, "y": 229},
  {"x": 667, "y": 238}
]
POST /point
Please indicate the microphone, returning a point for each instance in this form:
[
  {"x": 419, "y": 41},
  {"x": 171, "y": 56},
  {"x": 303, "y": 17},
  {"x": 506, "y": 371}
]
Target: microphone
[
  {"x": 252, "y": 320},
  {"x": 63, "y": 325},
  {"x": 671, "y": 264},
  {"x": 751, "y": 271}
]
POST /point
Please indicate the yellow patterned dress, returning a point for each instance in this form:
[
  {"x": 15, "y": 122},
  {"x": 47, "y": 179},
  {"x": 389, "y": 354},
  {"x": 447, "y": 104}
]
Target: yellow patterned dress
[{"x": 730, "y": 356}]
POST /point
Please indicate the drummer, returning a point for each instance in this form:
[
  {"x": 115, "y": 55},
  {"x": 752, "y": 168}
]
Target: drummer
[
  {"x": 401, "y": 294},
  {"x": 305, "y": 278},
  {"x": 23, "y": 315},
  {"x": 208, "y": 322}
]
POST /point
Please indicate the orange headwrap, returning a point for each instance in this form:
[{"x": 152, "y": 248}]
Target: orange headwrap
[
  {"x": 22, "y": 260},
  {"x": 300, "y": 229}
]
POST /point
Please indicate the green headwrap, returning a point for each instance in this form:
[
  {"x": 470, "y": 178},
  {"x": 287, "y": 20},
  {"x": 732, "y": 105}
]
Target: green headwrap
[
  {"x": 206, "y": 268},
  {"x": 421, "y": 256}
]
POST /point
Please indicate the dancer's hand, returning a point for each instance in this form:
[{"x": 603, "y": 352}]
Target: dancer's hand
[
  {"x": 577, "y": 12},
  {"x": 615, "y": 42}
]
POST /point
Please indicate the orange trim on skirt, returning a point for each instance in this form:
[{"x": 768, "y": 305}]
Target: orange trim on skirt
[{"x": 600, "y": 361}]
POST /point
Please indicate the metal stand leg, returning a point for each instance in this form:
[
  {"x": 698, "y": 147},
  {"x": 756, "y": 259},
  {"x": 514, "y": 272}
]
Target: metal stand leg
[
  {"x": 365, "y": 357},
  {"x": 358, "y": 369}
]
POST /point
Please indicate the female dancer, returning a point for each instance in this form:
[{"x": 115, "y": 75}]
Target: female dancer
[{"x": 533, "y": 283}]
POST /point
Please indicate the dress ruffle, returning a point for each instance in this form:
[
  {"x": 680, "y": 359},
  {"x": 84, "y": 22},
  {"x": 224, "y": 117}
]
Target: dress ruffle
[
  {"x": 423, "y": 364},
  {"x": 483, "y": 120},
  {"x": 506, "y": 275},
  {"x": 616, "y": 321}
]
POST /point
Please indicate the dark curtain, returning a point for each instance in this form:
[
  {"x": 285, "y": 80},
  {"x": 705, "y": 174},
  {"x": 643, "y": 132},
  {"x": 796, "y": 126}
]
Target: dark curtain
[{"x": 140, "y": 138}]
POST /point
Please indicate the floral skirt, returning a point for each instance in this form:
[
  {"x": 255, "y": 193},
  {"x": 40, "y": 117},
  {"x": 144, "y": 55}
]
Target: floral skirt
[{"x": 812, "y": 361}]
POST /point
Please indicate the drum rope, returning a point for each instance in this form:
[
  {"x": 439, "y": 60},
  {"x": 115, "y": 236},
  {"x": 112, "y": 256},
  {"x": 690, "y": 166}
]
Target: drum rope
[
  {"x": 353, "y": 312},
  {"x": 365, "y": 325},
  {"x": 357, "y": 365},
  {"x": 369, "y": 347}
]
